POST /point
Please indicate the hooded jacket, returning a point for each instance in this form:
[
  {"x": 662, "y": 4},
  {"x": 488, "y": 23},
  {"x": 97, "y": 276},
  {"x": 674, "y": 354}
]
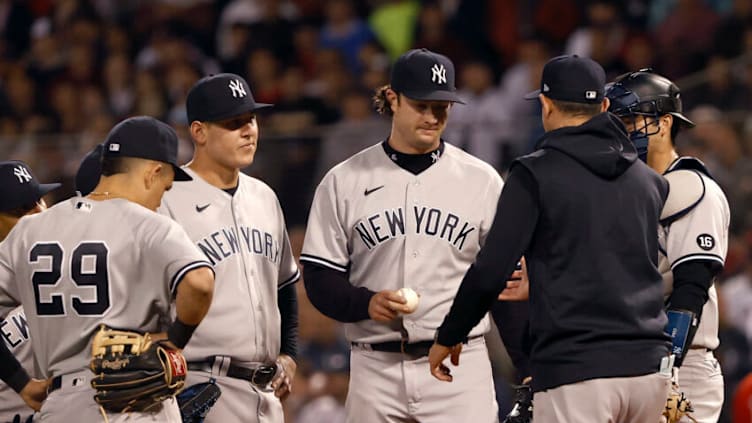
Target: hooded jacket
[{"x": 584, "y": 212}]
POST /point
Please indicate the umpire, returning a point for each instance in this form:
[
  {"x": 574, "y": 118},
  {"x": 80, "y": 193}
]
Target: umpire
[{"x": 584, "y": 212}]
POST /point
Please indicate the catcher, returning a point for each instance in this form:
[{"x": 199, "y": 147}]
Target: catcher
[
  {"x": 693, "y": 240},
  {"x": 91, "y": 264}
]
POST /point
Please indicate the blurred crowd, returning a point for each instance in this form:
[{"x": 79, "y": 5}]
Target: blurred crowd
[{"x": 71, "y": 69}]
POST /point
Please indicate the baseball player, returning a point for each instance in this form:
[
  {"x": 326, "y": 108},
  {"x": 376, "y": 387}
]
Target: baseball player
[
  {"x": 106, "y": 258},
  {"x": 404, "y": 213},
  {"x": 248, "y": 341},
  {"x": 21, "y": 195},
  {"x": 596, "y": 325},
  {"x": 693, "y": 236}
]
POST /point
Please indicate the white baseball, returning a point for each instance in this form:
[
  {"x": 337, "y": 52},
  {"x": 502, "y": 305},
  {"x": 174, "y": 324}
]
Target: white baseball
[{"x": 411, "y": 298}]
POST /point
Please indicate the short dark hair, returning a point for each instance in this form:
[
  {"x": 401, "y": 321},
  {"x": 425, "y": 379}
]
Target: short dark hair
[
  {"x": 381, "y": 103},
  {"x": 675, "y": 127},
  {"x": 114, "y": 165},
  {"x": 577, "y": 109}
]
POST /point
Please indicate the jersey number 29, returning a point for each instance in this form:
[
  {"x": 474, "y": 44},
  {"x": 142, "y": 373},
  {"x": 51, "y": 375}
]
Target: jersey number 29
[{"x": 93, "y": 276}]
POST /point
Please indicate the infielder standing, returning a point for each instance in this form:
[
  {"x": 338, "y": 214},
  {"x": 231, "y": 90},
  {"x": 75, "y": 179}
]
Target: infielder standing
[
  {"x": 21, "y": 195},
  {"x": 410, "y": 212},
  {"x": 248, "y": 341},
  {"x": 106, "y": 259},
  {"x": 693, "y": 236},
  {"x": 584, "y": 211}
]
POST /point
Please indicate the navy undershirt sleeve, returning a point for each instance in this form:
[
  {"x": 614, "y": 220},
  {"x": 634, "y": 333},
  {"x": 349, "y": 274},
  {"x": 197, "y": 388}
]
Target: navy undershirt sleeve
[
  {"x": 287, "y": 301},
  {"x": 11, "y": 371},
  {"x": 334, "y": 296},
  {"x": 692, "y": 280},
  {"x": 513, "y": 227}
]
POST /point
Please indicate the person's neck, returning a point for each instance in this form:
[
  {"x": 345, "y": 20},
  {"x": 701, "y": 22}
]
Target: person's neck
[
  {"x": 662, "y": 158},
  {"x": 114, "y": 187},
  {"x": 566, "y": 121},
  {"x": 216, "y": 175},
  {"x": 399, "y": 144}
]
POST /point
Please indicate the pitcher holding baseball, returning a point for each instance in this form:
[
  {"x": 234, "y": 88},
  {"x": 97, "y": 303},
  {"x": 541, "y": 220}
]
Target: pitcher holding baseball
[{"x": 398, "y": 219}]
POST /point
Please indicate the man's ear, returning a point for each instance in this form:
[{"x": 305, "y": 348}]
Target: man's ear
[
  {"x": 666, "y": 121},
  {"x": 152, "y": 174},
  {"x": 604, "y": 104},
  {"x": 393, "y": 98},
  {"x": 547, "y": 106},
  {"x": 198, "y": 132}
]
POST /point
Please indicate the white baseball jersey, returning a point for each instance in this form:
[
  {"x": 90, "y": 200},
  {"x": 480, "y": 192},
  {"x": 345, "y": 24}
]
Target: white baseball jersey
[
  {"x": 14, "y": 331},
  {"x": 391, "y": 229},
  {"x": 83, "y": 263},
  {"x": 699, "y": 234},
  {"x": 245, "y": 238}
]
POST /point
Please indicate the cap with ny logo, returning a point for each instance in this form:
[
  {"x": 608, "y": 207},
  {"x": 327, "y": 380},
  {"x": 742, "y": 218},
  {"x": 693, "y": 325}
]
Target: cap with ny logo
[
  {"x": 421, "y": 74},
  {"x": 19, "y": 187},
  {"x": 219, "y": 97}
]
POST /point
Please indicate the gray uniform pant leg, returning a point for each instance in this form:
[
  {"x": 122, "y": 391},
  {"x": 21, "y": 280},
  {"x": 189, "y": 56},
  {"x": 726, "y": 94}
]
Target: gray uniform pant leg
[
  {"x": 387, "y": 387},
  {"x": 240, "y": 401},
  {"x": 701, "y": 380},
  {"x": 606, "y": 400},
  {"x": 76, "y": 404}
]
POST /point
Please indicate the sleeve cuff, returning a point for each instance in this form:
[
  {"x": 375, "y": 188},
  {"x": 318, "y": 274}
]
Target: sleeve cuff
[{"x": 18, "y": 380}]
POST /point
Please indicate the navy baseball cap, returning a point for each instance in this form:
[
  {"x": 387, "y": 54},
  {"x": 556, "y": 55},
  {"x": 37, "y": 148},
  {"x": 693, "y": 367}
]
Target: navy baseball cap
[
  {"x": 572, "y": 78},
  {"x": 421, "y": 74},
  {"x": 219, "y": 97},
  {"x": 89, "y": 171},
  {"x": 146, "y": 138},
  {"x": 19, "y": 187}
]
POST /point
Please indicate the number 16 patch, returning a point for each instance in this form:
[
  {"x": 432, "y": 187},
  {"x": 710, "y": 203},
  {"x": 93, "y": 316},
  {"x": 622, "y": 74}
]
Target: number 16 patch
[{"x": 705, "y": 241}]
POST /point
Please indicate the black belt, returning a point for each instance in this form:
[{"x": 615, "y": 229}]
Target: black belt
[
  {"x": 57, "y": 383},
  {"x": 259, "y": 376},
  {"x": 415, "y": 349}
]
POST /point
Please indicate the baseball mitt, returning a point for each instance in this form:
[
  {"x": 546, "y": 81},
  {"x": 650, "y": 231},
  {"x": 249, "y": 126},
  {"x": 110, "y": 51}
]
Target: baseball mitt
[
  {"x": 522, "y": 412},
  {"x": 677, "y": 406},
  {"x": 134, "y": 373},
  {"x": 196, "y": 400}
]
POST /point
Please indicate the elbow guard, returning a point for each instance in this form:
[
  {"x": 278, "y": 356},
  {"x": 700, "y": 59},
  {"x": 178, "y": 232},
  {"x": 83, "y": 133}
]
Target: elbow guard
[{"x": 681, "y": 327}]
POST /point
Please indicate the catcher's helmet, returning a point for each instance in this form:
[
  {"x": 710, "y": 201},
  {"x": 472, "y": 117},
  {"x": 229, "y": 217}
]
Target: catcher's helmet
[{"x": 647, "y": 94}]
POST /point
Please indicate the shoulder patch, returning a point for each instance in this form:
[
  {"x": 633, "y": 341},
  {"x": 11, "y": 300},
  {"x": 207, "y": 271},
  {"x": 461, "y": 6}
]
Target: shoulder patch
[
  {"x": 705, "y": 241},
  {"x": 686, "y": 190}
]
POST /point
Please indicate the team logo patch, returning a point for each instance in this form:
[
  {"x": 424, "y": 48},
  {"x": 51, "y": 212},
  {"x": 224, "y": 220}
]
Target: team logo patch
[
  {"x": 22, "y": 174},
  {"x": 237, "y": 88},
  {"x": 438, "y": 74},
  {"x": 705, "y": 241}
]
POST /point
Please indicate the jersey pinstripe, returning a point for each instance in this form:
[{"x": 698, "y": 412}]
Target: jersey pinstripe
[
  {"x": 245, "y": 237},
  {"x": 700, "y": 234},
  {"x": 83, "y": 263},
  {"x": 391, "y": 229}
]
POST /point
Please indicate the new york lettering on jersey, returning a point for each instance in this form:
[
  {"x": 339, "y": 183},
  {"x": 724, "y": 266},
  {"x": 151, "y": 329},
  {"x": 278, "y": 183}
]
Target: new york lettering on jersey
[
  {"x": 14, "y": 329},
  {"x": 224, "y": 242},
  {"x": 388, "y": 224}
]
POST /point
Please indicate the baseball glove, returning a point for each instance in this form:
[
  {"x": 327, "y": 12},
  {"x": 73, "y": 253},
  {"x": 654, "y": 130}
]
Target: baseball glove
[
  {"x": 522, "y": 412},
  {"x": 677, "y": 406},
  {"x": 134, "y": 373},
  {"x": 196, "y": 400}
]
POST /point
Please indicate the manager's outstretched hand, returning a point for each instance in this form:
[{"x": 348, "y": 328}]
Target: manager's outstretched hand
[{"x": 436, "y": 356}]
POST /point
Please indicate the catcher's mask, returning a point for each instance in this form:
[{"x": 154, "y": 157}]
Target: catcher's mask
[{"x": 645, "y": 96}]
